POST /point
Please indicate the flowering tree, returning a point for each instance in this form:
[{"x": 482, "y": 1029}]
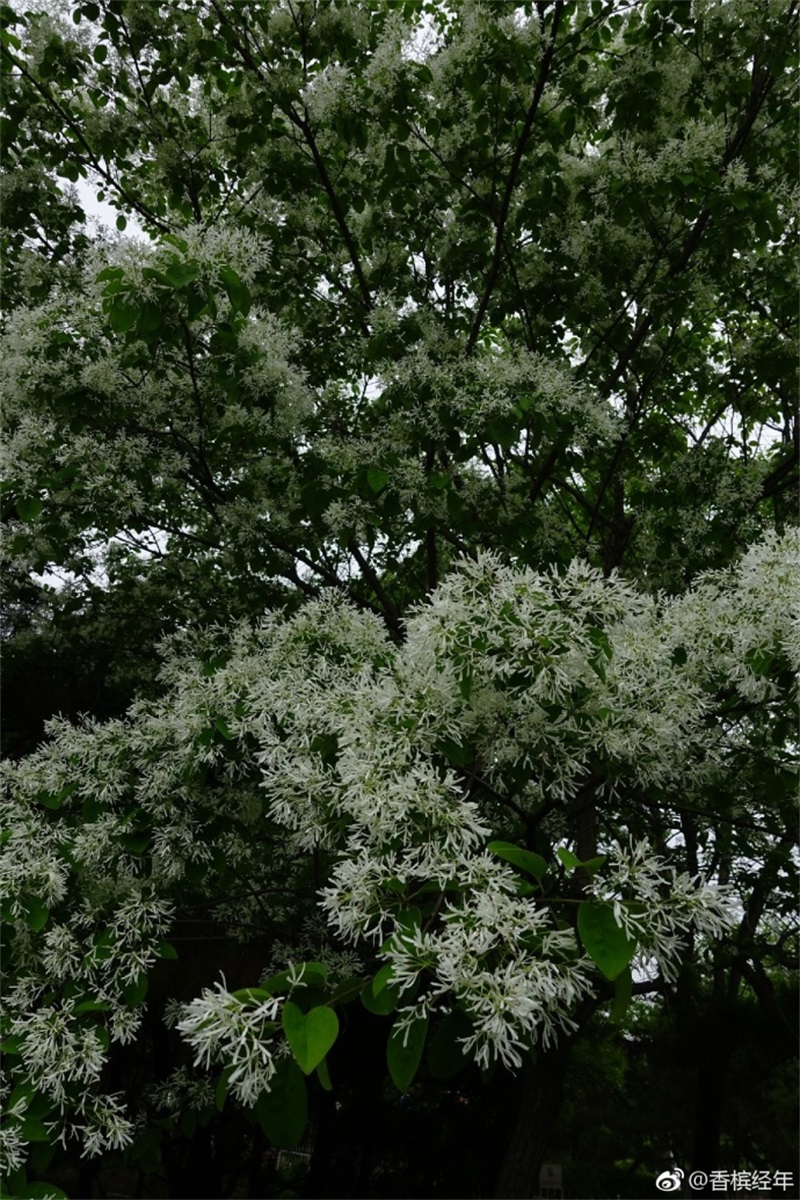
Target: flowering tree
[{"x": 434, "y": 438}]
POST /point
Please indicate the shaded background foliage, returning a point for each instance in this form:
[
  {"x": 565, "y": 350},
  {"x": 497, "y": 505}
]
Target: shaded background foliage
[{"x": 526, "y": 285}]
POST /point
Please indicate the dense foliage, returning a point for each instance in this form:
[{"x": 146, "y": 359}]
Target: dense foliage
[{"x": 401, "y": 558}]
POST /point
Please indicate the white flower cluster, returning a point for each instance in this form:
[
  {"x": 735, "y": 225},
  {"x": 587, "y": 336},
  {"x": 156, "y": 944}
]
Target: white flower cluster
[
  {"x": 510, "y": 691},
  {"x": 12, "y": 1146},
  {"x": 107, "y": 1129},
  {"x": 222, "y": 1029},
  {"x": 183, "y": 1091},
  {"x": 512, "y": 972},
  {"x": 656, "y": 905},
  {"x": 751, "y": 616},
  {"x": 58, "y": 1050}
]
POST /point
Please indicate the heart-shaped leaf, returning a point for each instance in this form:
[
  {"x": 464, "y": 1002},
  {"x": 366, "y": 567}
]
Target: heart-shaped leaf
[{"x": 310, "y": 1035}]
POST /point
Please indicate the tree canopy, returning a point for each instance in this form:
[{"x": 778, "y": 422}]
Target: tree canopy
[{"x": 401, "y": 557}]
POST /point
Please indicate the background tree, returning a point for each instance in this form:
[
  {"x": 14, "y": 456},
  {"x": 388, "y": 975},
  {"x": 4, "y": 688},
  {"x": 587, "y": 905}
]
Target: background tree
[{"x": 411, "y": 285}]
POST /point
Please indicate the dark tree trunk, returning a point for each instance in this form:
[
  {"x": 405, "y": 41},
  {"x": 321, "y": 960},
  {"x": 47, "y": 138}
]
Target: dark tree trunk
[
  {"x": 708, "y": 1110},
  {"x": 542, "y": 1088}
]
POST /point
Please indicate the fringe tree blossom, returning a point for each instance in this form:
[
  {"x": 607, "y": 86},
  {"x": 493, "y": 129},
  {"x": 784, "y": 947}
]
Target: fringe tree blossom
[
  {"x": 656, "y": 905},
  {"x": 183, "y": 1091},
  {"x": 512, "y": 693},
  {"x": 222, "y": 1029},
  {"x": 13, "y": 1150}
]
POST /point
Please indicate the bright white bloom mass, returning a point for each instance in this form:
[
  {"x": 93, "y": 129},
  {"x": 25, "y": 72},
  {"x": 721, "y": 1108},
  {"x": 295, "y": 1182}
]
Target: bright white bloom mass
[
  {"x": 513, "y": 697},
  {"x": 223, "y": 1029},
  {"x": 12, "y": 1148},
  {"x": 656, "y": 905},
  {"x": 58, "y": 1051}
]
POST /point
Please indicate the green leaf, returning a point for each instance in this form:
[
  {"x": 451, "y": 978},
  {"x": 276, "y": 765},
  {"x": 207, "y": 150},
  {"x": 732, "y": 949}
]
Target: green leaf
[
  {"x": 165, "y": 950},
  {"x": 37, "y": 914},
  {"x": 282, "y": 1112},
  {"x": 601, "y": 641},
  {"x": 382, "y": 979},
  {"x": 135, "y": 843},
  {"x": 179, "y": 275},
  {"x": 175, "y": 240},
  {"x": 347, "y": 991},
  {"x": 252, "y": 995},
  {"x": 384, "y": 1002},
  {"x": 310, "y": 1035},
  {"x": 238, "y": 293},
  {"x": 104, "y": 943},
  {"x": 404, "y": 1052},
  {"x": 135, "y": 992},
  {"x": 92, "y": 1006},
  {"x": 54, "y": 801},
  {"x": 224, "y": 728},
  {"x": 146, "y": 1150},
  {"x": 326, "y": 745},
  {"x": 16, "y": 1182},
  {"x": 215, "y": 664},
  {"x": 272, "y": 986},
  {"x": 377, "y": 478},
  {"x": 594, "y": 864},
  {"x": 323, "y": 1075},
  {"x": 32, "y": 1130},
  {"x": 41, "y": 1190},
  {"x": 408, "y": 921},
  {"x": 41, "y": 1156},
  {"x": 122, "y": 317},
  {"x": 150, "y": 319},
  {"x": 314, "y": 975},
  {"x": 623, "y": 993},
  {"x": 29, "y": 509},
  {"x": 606, "y": 944},
  {"x": 23, "y": 1091},
  {"x": 570, "y": 860},
  {"x": 122, "y": 223},
  {"x": 446, "y": 1055},
  {"x": 526, "y": 860},
  {"x": 460, "y": 756}
]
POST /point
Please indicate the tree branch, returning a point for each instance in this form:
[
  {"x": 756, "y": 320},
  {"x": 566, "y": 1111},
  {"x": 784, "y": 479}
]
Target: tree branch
[
  {"x": 511, "y": 181},
  {"x": 93, "y": 161}
]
